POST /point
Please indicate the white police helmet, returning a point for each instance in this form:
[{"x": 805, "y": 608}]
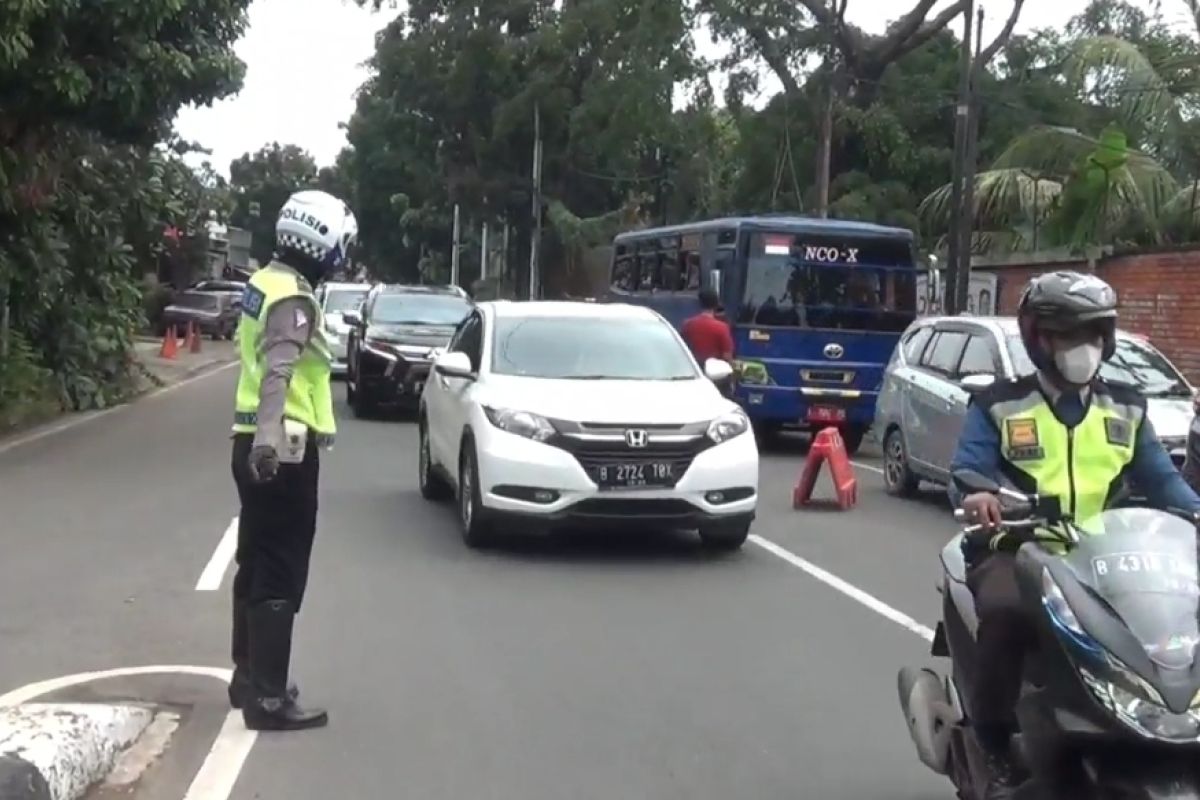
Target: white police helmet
[{"x": 317, "y": 226}]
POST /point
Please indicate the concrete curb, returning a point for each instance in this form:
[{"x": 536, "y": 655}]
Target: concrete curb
[{"x": 57, "y": 751}]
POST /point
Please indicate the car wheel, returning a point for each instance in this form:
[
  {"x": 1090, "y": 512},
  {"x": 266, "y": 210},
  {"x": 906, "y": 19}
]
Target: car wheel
[
  {"x": 360, "y": 401},
  {"x": 471, "y": 514},
  {"x": 898, "y": 478},
  {"x": 724, "y": 536},
  {"x": 431, "y": 484}
]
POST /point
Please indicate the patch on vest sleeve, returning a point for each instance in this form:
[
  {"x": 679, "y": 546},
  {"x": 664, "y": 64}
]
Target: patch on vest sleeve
[
  {"x": 252, "y": 301},
  {"x": 1118, "y": 431}
]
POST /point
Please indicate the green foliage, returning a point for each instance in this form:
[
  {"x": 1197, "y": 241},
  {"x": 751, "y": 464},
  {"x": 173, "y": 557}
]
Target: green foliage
[{"x": 87, "y": 89}]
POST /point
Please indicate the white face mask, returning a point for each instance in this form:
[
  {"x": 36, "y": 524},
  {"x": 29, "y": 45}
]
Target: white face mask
[{"x": 1080, "y": 363}]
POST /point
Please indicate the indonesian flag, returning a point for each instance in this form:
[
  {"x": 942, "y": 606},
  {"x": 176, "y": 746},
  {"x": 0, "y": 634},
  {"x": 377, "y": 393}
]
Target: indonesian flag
[{"x": 776, "y": 245}]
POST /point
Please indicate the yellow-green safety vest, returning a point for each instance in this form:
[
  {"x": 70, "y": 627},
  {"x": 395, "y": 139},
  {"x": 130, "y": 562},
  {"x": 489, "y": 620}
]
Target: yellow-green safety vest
[
  {"x": 1085, "y": 466},
  {"x": 309, "y": 397}
]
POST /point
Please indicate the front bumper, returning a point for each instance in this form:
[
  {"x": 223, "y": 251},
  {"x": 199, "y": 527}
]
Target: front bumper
[{"x": 546, "y": 485}]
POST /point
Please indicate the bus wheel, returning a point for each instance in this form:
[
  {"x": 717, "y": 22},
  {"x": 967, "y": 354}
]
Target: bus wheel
[{"x": 852, "y": 438}]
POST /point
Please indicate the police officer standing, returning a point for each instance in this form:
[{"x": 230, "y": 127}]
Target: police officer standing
[
  {"x": 283, "y": 417},
  {"x": 1062, "y": 432}
]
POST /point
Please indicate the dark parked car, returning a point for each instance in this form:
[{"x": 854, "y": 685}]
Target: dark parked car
[
  {"x": 215, "y": 313},
  {"x": 392, "y": 340}
]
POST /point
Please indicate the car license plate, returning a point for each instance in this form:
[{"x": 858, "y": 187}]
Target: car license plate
[
  {"x": 826, "y": 414},
  {"x": 633, "y": 476}
]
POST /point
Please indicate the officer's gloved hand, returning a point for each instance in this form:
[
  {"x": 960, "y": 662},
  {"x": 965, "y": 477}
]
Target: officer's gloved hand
[
  {"x": 264, "y": 463},
  {"x": 325, "y": 441}
]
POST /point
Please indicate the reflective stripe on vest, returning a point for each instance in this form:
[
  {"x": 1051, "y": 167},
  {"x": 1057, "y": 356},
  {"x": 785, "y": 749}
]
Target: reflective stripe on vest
[
  {"x": 1081, "y": 466},
  {"x": 309, "y": 396}
]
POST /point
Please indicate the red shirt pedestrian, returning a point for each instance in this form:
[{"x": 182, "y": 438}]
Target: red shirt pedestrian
[{"x": 708, "y": 336}]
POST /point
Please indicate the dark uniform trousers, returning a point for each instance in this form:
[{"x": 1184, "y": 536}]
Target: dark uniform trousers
[
  {"x": 276, "y": 528},
  {"x": 1005, "y": 635}
]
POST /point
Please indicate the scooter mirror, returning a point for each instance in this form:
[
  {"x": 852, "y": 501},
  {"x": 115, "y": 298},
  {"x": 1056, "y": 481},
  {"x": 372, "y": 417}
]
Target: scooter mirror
[{"x": 968, "y": 481}]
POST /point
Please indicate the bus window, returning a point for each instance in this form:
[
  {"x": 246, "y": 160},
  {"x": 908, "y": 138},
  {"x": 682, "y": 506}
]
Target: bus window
[
  {"x": 691, "y": 274},
  {"x": 823, "y": 284},
  {"x": 624, "y": 273},
  {"x": 669, "y": 273},
  {"x": 648, "y": 259}
]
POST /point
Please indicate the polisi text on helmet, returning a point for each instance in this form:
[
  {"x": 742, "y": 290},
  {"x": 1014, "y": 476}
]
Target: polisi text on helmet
[{"x": 305, "y": 219}]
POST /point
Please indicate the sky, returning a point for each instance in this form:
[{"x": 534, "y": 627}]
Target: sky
[{"x": 305, "y": 62}]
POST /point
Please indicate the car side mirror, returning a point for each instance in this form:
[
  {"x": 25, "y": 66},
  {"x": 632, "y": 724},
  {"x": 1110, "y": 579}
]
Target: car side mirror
[
  {"x": 717, "y": 371},
  {"x": 454, "y": 365},
  {"x": 977, "y": 383},
  {"x": 352, "y": 318}
]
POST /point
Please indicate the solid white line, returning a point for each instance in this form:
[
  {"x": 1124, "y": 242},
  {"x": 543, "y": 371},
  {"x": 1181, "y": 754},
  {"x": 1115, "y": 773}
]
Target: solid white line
[
  {"x": 853, "y": 592},
  {"x": 214, "y": 571},
  {"x": 221, "y": 767},
  {"x": 32, "y": 691},
  {"x": 89, "y": 416},
  {"x": 870, "y": 467}
]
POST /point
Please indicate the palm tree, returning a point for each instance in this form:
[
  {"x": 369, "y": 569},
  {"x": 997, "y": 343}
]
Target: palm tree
[{"x": 1054, "y": 187}]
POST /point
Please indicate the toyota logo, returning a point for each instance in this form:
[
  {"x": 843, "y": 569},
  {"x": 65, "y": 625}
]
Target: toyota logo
[
  {"x": 834, "y": 351},
  {"x": 637, "y": 438}
]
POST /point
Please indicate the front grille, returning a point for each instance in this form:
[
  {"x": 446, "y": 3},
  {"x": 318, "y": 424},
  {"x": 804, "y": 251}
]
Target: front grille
[{"x": 633, "y": 507}]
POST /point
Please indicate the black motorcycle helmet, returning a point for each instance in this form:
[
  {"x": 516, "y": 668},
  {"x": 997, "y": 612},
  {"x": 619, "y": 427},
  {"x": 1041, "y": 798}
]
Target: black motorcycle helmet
[{"x": 1066, "y": 301}]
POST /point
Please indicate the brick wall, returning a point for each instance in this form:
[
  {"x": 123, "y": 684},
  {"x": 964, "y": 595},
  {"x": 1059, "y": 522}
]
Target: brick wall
[{"x": 1159, "y": 295}]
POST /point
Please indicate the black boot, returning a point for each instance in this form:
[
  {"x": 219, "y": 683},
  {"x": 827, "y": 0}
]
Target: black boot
[
  {"x": 1002, "y": 777},
  {"x": 270, "y": 708},
  {"x": 239, "y": 684}
]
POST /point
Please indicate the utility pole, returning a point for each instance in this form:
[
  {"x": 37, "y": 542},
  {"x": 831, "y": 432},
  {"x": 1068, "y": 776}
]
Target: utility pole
[
  {"x": 535, "y": 243},
  {"x": 966, "y": 227},
  {"x": 825, "y": 142},
  {"x": 961, "y": 120},
  {"x": 454, "y": 247},
  {"x": 483, "y": 253}
]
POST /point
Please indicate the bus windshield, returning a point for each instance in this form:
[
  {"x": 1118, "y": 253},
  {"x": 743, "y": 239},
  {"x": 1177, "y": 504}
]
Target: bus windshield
[{"x": 805, "y": 281}]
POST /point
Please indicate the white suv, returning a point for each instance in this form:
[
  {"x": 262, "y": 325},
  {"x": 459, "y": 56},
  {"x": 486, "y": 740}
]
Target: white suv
[{"x": 542, "y": 414}]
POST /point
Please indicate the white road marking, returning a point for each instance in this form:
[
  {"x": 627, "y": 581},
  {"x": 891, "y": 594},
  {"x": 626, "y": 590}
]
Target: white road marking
[
  {"x": 89, "y": 416},
  {"x": 871, "y": 467},
  {"x": 223, "y": 764},
  {"x": 218, "y": 565},
  {"x": 224, "y": 761},
  {"x": 853, "y": 592}
]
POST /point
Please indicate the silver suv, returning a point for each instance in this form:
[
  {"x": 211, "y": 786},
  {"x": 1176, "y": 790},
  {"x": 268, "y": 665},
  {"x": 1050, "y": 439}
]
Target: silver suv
[{"x": 940, "y": 361}]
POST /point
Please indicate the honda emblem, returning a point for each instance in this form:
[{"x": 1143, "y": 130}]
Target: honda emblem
[{"x": 637, "y": 439}]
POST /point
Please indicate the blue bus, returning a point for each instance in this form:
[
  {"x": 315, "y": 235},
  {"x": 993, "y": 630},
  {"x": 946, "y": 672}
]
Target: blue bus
[{"x": 816, "y": 307}]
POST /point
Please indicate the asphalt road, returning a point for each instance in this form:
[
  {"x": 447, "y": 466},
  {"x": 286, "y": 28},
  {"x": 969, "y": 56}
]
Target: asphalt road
[{"x": 581, "y": 667}]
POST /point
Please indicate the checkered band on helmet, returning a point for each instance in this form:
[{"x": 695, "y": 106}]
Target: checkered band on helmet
[{"x": 287, "y": 241}]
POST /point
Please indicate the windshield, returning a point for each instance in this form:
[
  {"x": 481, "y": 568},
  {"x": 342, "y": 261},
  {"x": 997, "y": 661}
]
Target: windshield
[
  {"x": 419, "y": 309},
  {"x": 810, "y": 282},
  {"x": 339, "y": 300},
  {"x": 1133, "y": 363},
  {"x": 1142, "y": 562},
  {"x": 590, "y": 348}
]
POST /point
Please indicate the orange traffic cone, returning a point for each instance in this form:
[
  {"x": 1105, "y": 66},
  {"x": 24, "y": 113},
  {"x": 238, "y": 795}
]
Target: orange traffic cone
[
  {"x": 170, "y": 345},
  {"x": 193, "y": 337}
]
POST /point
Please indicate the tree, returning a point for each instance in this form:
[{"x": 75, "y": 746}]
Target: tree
[
  {"x": 261, "y": 183},
  {"x": 86, "y": 89}
]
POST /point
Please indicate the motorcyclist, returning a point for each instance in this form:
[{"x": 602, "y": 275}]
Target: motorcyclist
[{"x": 1061, "y": 432}]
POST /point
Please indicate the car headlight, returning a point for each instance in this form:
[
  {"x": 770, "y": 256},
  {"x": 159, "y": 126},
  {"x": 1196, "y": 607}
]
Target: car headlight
[
  {"x": 520, "y": 423},
  {"x": 727, "y": 426}
]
